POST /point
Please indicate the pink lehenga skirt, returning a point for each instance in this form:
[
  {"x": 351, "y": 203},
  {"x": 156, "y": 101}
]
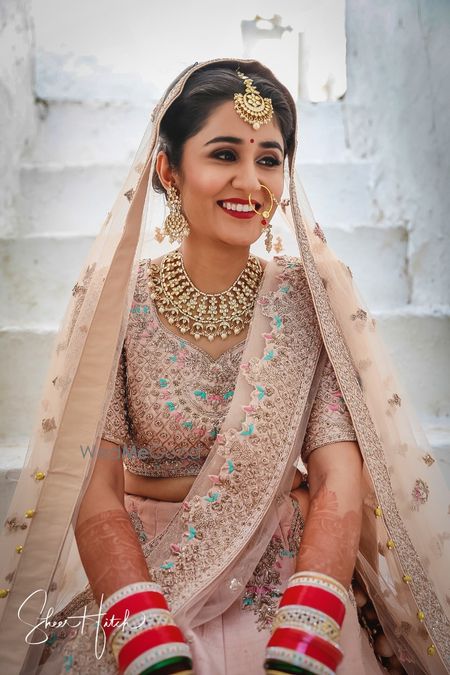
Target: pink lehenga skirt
[{"x": 232, "y": 643}]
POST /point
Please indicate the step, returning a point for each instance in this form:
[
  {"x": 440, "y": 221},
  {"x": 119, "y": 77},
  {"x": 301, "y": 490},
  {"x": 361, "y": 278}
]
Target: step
[
  {"x": 38, "y": 271},
  {"x": 24, "y": 360},
  {"x": 78, "y": 134},
  {"x": 417, "y": 342},
  {"x": 67, "y": 200},
  {"x": 417, "y": 339},
  {"x": 73, "y": 134},
  {"x": 339, "y": 192},
  {"x": 377, "y": 258},
  {"x": 60, "y": 198},
  {"x": 37, "y": 275}
]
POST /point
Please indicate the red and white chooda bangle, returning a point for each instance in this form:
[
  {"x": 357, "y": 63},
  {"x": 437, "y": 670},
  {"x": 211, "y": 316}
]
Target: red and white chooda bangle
[
  {"x": 306, "y": 628},
  {"x": 140, "y": 629}
]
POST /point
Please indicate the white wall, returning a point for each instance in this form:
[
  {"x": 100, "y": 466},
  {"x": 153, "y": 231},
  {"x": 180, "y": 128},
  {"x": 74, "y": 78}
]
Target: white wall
[{"x": 17, "y": 115}]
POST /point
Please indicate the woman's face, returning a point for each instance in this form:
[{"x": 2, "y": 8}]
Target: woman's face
[{"x": 220, "y": 166}]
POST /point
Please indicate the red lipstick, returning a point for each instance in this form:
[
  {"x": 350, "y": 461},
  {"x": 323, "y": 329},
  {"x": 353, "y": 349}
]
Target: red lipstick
[{"x": 245, "y": 215}]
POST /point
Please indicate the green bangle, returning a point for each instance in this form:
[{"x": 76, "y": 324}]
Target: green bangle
[
  {"x": 175, "y": 664},
  {"x": 284, "y": 668}
]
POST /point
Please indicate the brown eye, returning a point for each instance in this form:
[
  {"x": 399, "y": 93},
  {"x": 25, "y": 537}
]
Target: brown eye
[
  {"x": 227, "y": 155},
  {"x": 269, "y": 161}
]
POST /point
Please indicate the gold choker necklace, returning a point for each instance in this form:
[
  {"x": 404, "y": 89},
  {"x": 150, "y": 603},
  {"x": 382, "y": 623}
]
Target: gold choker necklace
[{"x": 192, "y": 311}]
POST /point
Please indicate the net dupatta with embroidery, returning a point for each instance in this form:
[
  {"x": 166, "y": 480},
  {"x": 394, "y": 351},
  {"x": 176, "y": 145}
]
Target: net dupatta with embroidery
[{"x": 402, "y": 550}]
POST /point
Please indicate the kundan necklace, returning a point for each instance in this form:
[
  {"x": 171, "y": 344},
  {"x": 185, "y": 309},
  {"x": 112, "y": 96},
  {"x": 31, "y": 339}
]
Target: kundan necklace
[{"x": 192, "y": 311}]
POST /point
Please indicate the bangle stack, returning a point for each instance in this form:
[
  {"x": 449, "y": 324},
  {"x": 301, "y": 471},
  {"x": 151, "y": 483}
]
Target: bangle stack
[
  {"x": 307, "y": 626},
  {"x": 142, "y": 633}
]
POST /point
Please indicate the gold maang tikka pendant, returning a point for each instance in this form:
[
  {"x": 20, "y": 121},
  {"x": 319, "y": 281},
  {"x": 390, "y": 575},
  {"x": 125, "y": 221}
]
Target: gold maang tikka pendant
[{"x": 251, "y": 106}]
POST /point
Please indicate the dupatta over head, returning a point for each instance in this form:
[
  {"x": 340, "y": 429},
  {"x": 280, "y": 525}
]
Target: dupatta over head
[{"x": 232, "y": 509}]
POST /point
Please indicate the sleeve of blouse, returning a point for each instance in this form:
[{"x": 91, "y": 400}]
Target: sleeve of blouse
[
  {"x": 117, "y": 426},
  {"x": 330, "y": 420}
]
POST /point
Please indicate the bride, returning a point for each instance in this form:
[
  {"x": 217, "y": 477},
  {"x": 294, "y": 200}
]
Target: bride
[{"x": 253, "y": 460}]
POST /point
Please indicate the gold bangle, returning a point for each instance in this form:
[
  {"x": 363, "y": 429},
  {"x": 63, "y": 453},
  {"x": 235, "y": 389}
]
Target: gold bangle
[
  {"x": 309, "y": 619},
  {"x": 321, "y": 580}
]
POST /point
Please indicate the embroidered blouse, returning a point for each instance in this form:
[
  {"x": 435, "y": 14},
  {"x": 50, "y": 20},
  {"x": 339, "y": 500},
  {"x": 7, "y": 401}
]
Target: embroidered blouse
[{"x": 171, "y": 397}]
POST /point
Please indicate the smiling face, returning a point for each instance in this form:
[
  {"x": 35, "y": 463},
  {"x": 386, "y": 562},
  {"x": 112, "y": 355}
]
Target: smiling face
[{"x": 224, "y": 162}]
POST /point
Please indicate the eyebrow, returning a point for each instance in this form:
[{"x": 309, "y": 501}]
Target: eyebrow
[{"x": 239, "y": 141}]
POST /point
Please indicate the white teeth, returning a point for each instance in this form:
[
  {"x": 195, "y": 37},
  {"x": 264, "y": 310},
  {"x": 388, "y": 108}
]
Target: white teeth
[{"x": 233, "y": 206}]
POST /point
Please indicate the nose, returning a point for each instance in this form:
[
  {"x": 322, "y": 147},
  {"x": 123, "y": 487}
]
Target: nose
[{"x": 246, "y": 181}]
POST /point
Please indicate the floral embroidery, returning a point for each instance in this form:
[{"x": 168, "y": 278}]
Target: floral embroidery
[
  {"x": 319, "y": 233},
  {"x": 338, "y": 404},
  {"x": 129, "y": 194},
  {"x": 264, "y": 588},
  {"x": 360, "y": 318},
  {"x": 77, "y": 289},
  {"x": 76, "y": 649},
  {"x": 359, "y": 314},
  {"x": 394, "y": 401},
  {"x": 13, "y": 525},
  {"x": 420, "y": 494},
  {"x": 79, "y": 292},
  {"x": 48, "y": 424},
  {"x": 138, "y": 526}
]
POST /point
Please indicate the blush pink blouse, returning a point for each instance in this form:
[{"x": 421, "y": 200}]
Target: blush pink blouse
[{"x": 171, "y": 397}]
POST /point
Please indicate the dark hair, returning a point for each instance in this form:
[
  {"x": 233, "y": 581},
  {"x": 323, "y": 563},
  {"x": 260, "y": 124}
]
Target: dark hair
[{"x": 205, "y": 90}]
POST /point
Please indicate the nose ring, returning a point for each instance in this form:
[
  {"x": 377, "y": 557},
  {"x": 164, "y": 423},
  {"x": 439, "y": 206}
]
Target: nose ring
[{"x": 266, "y": 212}]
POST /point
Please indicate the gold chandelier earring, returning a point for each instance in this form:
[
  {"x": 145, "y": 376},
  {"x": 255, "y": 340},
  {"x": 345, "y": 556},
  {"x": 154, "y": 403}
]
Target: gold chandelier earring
[
  {"x": 176, "y": 227},
  {"x": 267, "y": 226}
]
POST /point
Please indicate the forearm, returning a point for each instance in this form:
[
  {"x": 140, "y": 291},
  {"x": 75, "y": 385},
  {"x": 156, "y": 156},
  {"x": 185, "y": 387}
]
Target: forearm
[
  {"x": 107, "y": 542},
  {"x": 333, "y": 525}
]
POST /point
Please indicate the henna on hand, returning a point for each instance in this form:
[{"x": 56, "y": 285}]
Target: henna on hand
[
  {"x": 331, "y": 537},
  {"x": 110, "y": 552}
]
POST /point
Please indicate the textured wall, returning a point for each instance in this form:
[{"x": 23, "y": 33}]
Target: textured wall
[
  {"x": 398, "y": 113},
  {"x": 17, "y": 116}
]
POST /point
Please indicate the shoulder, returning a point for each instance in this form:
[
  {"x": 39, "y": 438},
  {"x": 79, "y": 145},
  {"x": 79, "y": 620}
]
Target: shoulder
[{"x": 294, "y": 285}]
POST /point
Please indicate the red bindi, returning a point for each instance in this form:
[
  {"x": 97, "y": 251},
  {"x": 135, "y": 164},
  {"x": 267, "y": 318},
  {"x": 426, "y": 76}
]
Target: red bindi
[{"x": 252, "y": 140}]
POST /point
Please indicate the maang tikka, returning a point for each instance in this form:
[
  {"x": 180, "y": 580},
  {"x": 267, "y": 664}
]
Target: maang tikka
[
  {"x": 251, "y": 106},
  {"x": 175, "y": 225}
]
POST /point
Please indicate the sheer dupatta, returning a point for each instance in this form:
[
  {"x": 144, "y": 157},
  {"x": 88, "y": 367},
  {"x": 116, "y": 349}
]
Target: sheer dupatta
[{"x": 209, "y": 550}]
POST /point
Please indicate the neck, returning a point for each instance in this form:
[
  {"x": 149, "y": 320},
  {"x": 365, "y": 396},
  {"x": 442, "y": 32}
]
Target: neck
[{"x": 212, "y": 268}]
